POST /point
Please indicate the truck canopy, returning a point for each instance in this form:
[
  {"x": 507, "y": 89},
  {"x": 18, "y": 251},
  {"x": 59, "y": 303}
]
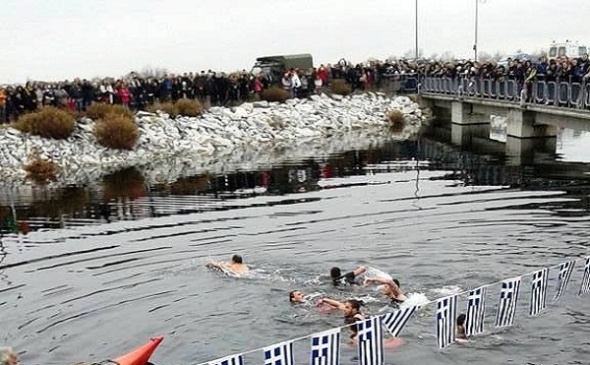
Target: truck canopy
[{"x": 302, "y": 61}]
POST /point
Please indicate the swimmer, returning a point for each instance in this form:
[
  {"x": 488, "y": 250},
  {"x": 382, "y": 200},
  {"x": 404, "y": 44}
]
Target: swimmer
[
  {"x": 348, "y": 278},
  {"x": 236, "y": 265},
  {"x": 352, "y": 313},
  {"x": 297, "y": 297},
  {"x": 391, "y": 289},
  {"x": 460, "y": 335}
]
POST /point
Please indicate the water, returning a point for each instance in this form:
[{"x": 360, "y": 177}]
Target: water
[{"x": 105, "y": 267}]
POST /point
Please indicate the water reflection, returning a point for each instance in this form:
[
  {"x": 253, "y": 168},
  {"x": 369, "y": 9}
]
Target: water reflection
[{"x": 125, "y": 194}]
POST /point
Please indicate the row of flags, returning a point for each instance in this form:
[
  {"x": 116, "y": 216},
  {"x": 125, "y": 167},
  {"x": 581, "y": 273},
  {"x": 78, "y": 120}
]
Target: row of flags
[{"x": 325, "y": 346}]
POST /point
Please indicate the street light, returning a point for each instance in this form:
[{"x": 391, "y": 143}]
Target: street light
[
  {"x": 476, "y": 25},
  {"x": 416, "y": 30}
]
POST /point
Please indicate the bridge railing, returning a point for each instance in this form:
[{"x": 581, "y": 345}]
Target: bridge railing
[{"x": 559, "y": 93}]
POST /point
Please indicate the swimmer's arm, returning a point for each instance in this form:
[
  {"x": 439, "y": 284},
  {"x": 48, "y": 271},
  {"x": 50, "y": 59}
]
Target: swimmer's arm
[
  {"x": 359, "y": 270},
  {"x": 332, "y": 303},
  {"x": 378, "y": 280},
  {"x": 216, "y": 265}
]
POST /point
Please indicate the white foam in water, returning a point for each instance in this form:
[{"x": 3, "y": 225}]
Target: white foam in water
[
  {"x": 414, "y": 299},
  {"x": 448, "y": 290}
]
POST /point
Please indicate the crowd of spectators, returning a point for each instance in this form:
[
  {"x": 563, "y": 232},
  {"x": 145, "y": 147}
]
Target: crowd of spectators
[
  {"x": 217, "y": 88},
  {"x": 213, "y": 88}
]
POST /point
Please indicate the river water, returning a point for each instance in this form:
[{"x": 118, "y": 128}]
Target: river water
[{"x": 103, "y": 268}]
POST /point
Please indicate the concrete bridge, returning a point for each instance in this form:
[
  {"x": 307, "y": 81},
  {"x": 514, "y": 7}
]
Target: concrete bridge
[{"x": 532, "y": 114}]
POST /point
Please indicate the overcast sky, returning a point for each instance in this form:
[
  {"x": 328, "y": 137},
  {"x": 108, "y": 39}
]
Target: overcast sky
[{"x": 62, "y": 39}]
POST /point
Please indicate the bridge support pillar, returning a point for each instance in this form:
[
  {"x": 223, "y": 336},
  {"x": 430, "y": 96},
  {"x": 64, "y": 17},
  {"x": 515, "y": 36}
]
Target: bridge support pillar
[
  {"x": 521, "y": 124},
  {"x": 466, "y": 124}
]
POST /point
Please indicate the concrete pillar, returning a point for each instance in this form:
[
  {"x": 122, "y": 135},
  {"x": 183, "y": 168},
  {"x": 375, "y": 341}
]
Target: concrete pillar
[
  {"x": 465, "y": 124},
  {"x": 521, "y": 124},
  {"x": 525, "y": 151}
]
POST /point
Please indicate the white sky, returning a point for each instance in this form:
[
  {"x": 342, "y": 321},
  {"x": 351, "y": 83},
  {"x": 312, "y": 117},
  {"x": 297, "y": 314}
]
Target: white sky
[{"x": 62, "y": 39}]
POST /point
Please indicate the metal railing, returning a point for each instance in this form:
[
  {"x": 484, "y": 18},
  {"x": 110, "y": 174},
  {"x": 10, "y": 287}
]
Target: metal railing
[{"x": 559, "y": 93}]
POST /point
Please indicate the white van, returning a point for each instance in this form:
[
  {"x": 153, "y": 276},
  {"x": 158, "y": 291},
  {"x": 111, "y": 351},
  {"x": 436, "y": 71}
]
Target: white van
[{"x": 569, "y": 49}]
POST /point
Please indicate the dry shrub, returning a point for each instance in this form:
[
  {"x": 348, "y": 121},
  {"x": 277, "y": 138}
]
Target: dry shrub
[
  {"x": 274, "y": 93},
  {"x": 397, "y": 121},
  {"x": 126, "y": 183},
  {"x": 41, "y": 171},
  {"x": 117, "y": 131},
  {"x": 166, "y": 107},
  {"x": 341, "y": 87},
  {"x": 189, "y": 107},
  {"x": 48, "y": 122},
  {"x": 98, "y": 111}
]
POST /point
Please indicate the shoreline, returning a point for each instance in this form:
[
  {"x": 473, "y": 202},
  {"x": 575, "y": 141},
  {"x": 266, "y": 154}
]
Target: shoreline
[{"x": 251, "y": 133}]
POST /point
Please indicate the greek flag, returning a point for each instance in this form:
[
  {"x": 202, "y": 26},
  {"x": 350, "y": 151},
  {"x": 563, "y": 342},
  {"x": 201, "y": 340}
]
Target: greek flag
[
  {"x": 508, "y": 299},
  {"x": 476, "y": 307},
  {"x": 585, "y": 287},
  {"x": 538, "y": 291},
  {"x": 370, "y": 341},
  {"x": 395, "y": 321},
  {"x": 279, "y": 354},
  {"x": 446, "y": 314},
  {"x": 325, "y": 348},
  {"x": 565, "y": 273},
  {"x": 237, "y": 359}
]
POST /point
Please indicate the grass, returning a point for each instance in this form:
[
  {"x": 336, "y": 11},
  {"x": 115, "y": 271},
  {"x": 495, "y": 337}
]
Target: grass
[
  {"x": 182, "y": 107},
  {"x": 41, "y": 171},
  {"x": 98, "y": 111}
]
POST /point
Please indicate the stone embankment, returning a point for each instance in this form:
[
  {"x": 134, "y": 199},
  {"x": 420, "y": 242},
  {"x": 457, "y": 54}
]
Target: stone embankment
[{"x": 219, "y": 140}]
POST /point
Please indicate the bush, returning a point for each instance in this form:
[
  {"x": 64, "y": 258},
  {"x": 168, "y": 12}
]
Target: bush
[
  {"x": 274, "y": 93},
  {"x": 188, "y": 107},
  {"x": 397, "y": 121},
  {"x": 341, "y": 87},
  {"x": 182, "y": 107},
  {"x": 116, "y": 131},
  {"x": 48, "y": 122},
  {"x": 166, "y": 107},
  {"x": 98, "y": 111},
  {"x": 41, "y": 171}
]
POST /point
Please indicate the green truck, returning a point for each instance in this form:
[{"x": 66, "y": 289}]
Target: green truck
[{"x": 275, "y": 65}]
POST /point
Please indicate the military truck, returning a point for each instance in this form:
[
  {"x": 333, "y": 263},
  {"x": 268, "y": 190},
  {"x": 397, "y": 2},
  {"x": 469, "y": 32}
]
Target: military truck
[{"x": 274, "y": 66}]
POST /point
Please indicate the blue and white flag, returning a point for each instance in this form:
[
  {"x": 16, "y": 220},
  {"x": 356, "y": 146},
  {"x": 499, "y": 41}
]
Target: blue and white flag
[
  {"x": 325, "y": 348},
  {"x": 396, "y": 321},
  {"x": 279, "y": 354},
  {"x": 508, "y": 298},
  {"x": 237, "y": 359},
  {"x": 446, "y": 314},
  {"x": 476, "y": 308},
  {"x": 370, "y": 341},
  {"x": 565, "y": 273},
  {"x": 538, "y": 291},
  {"x": 585, "y": 287}
]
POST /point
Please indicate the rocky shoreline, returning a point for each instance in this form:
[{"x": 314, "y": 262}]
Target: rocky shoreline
[{"x": 222, "y": 139}]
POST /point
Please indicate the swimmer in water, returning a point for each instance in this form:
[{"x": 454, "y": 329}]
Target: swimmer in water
[
  {"x": 236, "y": 265},
  {"x": 352, "y": 313},
  {"x": 297, "y": 297},
  {"x": 348, "y": 278},
  {"x": 460, "y": 335},
  {"x": 390, "y": 289}
]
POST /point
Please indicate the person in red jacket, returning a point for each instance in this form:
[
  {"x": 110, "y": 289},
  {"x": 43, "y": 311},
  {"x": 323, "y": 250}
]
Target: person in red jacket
[{"x": 124, "y": 94}]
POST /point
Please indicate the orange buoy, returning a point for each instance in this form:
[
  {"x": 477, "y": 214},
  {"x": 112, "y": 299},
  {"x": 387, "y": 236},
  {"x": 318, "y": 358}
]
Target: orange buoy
[{"x": 141, "y": 355}]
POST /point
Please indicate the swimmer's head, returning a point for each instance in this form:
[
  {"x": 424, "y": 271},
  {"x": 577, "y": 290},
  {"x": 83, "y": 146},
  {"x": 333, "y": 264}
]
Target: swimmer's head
[
  {"x": 335, "y": 273},
  {"x": 397, "y": 283},
  {"x": 461, "y": 320},
  {"x": 352, "y": 307},
  {"x": 296, "y": 296},
  {"x": 237, "y": 259}
]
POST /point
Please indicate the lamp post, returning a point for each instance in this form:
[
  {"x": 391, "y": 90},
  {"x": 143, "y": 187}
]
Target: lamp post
[
  {"x": 416, "y": 30},
  {"x": 476, "y": 26}
]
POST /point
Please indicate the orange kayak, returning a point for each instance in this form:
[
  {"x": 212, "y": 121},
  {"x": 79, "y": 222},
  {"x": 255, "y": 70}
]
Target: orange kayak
[{"x": 141, "y": 355}]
